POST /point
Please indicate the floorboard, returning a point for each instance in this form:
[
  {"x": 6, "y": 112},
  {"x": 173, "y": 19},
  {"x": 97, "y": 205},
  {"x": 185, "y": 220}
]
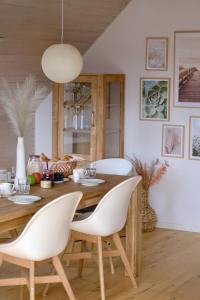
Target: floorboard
[{"x": 170, "y": 271}]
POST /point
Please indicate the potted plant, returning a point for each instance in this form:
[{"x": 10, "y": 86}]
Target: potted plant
[{"x": 151, "y": 174}]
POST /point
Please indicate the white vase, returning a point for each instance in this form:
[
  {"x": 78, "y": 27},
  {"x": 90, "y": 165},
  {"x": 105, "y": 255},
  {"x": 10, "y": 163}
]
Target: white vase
[{"x": 20, "y": 161}]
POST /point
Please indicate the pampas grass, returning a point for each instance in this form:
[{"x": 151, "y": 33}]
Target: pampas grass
[
  {"x": 151, "y": 174},
  {"x": 20, "y": 102}
]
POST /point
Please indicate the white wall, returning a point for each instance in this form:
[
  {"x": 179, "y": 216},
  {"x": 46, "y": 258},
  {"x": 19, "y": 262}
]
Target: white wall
[
  {"x": 121, "y": 48},
  {"x": 43, "y": 127}
]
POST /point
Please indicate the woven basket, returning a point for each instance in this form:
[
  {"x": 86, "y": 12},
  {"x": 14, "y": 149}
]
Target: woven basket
[
  {"x": 149, "y": 218},
  {"x": 65, "y": 167},
  {"x": 61, "y": 166}
]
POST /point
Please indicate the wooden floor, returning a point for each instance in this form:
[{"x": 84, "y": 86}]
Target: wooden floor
[{"x": 170, "y": 271}]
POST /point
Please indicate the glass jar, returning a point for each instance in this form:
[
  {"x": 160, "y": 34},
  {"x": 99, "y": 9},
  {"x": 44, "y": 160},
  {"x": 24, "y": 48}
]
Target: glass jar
[{"x": 34, "y": 164}]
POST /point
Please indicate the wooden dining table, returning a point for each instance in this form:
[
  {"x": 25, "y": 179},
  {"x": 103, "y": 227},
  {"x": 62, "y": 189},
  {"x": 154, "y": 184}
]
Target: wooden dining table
[{"x": 13, "y": 216}]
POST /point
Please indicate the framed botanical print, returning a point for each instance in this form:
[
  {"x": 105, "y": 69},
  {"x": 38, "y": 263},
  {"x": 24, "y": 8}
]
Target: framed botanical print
[
  {"x": 154, "y": 99},
  {"x": 156, "y": 53},
  {"x": 194, "y": 138},
  {"x": 173, "y": 140},
  {"x": 187, "y": 69}
]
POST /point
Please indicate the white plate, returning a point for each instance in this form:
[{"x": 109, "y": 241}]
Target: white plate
[
  {"x": 92, "y": 180},
  {"x": 24, "y": 199},
  {"x": 90, "y": 184}
]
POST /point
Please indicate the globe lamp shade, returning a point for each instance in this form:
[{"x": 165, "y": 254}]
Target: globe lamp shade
[{"x": 62, "y": 63}]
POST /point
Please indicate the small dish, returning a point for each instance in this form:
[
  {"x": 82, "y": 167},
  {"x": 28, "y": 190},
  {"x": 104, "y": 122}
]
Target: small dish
[
  {"x": 58, "y": 182},
  {"x": 92, "y": 180},
  {"x": 89, "y": 184},
  {"x": 24, "y": 199}
]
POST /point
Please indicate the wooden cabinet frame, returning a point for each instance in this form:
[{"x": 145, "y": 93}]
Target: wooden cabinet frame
[{"x": 99, "y": 82}]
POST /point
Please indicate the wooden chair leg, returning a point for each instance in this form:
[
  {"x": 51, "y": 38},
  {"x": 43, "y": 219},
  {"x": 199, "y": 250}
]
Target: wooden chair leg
[
  {"x": 101, "y": 272},
  {"x": 47, "y": 286},
  {"x": 81, "y": 261},
  {"x": 124, "y": 258},
  {"x": 70, "y": 249},
  {"x": 108, "y": 246},
  {"x": 1, "y": 259},
  {"x": 59, "y": 268},
  {"x": 32, "y": 280}
]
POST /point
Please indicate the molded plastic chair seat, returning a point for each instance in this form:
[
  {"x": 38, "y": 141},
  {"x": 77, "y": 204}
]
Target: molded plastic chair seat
[
  {"x": 113, "y": 166},
  {"x": 108, "y": 219},
  {"x": 45, "y": 236}
]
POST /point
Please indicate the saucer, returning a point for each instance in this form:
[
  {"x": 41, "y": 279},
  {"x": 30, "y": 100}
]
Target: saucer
[
  {"x": 91, "y": 181},
  {"x": 24, "y": 199}
]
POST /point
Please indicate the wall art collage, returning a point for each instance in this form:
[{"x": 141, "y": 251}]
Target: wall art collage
[{"x": 155, "y": 91}]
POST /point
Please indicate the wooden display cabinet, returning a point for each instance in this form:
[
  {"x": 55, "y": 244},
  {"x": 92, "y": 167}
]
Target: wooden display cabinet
[{"x": 88, "y": 117}]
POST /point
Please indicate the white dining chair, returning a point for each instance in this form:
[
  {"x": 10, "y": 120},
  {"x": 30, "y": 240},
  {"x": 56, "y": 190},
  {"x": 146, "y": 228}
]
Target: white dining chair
[
  {"x": 44, "y": 237},
  {"x": 115, "y": 166},
  {"x": 107, "y": 220},
  {"x": 112, "y": 166}
]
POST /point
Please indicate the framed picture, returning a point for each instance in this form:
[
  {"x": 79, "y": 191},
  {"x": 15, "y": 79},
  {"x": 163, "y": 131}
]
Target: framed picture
[
  {"x": 187, "y": 69},
  {"x": 156, "y": 53},
  {"x": 194, "y": 138},
  {"x": 173, "y": 140},
  {"x": 154, "y": 99}
]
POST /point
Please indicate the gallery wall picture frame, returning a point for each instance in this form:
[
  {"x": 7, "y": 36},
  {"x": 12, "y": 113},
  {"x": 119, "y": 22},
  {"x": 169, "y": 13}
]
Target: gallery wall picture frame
[
  {"x": 156, "y": 58},
  {"x": 194, "y": 137},
  {"x": 187, "y": 69},
  {"x": 154, "y": 99},
  {"x": 173, "y": 140}
]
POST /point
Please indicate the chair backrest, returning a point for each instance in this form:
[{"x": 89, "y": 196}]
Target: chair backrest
[
  {"x": 111, "y": 212},
  {"x": 117, "y": 166},
  {"x": 46, "y": 234}
]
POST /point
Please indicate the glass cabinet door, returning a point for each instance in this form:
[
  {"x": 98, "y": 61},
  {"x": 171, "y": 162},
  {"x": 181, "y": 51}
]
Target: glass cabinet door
[
  {"x": 77, "y": 118},
  {"x": 113, "y": 122},
  {"x": 88, "y": 117}
]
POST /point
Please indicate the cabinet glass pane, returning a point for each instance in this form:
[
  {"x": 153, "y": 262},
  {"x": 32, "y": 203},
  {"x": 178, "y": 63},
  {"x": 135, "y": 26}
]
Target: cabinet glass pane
[
  {"x": 77, "y": 117},
  {"x": 112, "y": 120}
]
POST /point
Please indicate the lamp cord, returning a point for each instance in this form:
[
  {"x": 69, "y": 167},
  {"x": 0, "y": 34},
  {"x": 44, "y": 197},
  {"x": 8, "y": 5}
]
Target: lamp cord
[{"x": 62, "y": 23}]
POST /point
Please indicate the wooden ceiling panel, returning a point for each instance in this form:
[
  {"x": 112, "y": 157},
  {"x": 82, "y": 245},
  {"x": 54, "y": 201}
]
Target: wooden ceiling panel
[{"x": 30, "y": 26}]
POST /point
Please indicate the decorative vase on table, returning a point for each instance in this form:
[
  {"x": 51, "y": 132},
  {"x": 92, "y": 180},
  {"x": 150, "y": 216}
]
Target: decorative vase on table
[
  {"x": 20, "y": 161},
  {"x": 149, "y": 218},
  {"x": 20, "y": 103}
]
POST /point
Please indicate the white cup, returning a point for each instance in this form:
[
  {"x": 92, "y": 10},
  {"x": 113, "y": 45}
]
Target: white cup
[
  {"x": 77, "y": 174},
  {"x": 6, "y": 188}
]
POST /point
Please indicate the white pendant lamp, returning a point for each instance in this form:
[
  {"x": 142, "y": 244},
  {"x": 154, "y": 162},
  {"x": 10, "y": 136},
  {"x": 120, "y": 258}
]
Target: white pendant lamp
[{"x": 62, "y": 63}]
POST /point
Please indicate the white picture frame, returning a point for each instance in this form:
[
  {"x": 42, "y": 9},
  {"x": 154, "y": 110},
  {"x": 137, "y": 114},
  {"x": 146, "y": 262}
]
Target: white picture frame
[
  {"x": 173, "y": 140},
  {"x": 156, "y": 54},
  {"x": 186, "y": 69}
]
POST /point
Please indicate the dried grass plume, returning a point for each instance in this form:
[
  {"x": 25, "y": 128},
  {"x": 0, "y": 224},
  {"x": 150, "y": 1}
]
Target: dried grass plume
[
  {"x": 151, "y": 174},
  {"x": 21, "y": 101}
]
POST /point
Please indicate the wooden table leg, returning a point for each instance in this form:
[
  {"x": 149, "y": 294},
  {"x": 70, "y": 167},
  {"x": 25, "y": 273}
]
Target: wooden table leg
[{"x": 134, "y": 232}]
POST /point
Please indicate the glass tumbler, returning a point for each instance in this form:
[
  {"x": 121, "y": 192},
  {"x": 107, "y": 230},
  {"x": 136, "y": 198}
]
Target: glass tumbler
[{"x": 23, "y": 186}]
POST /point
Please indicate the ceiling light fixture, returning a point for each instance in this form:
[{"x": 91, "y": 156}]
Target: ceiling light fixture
[{"x": 62, "y": 63}]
